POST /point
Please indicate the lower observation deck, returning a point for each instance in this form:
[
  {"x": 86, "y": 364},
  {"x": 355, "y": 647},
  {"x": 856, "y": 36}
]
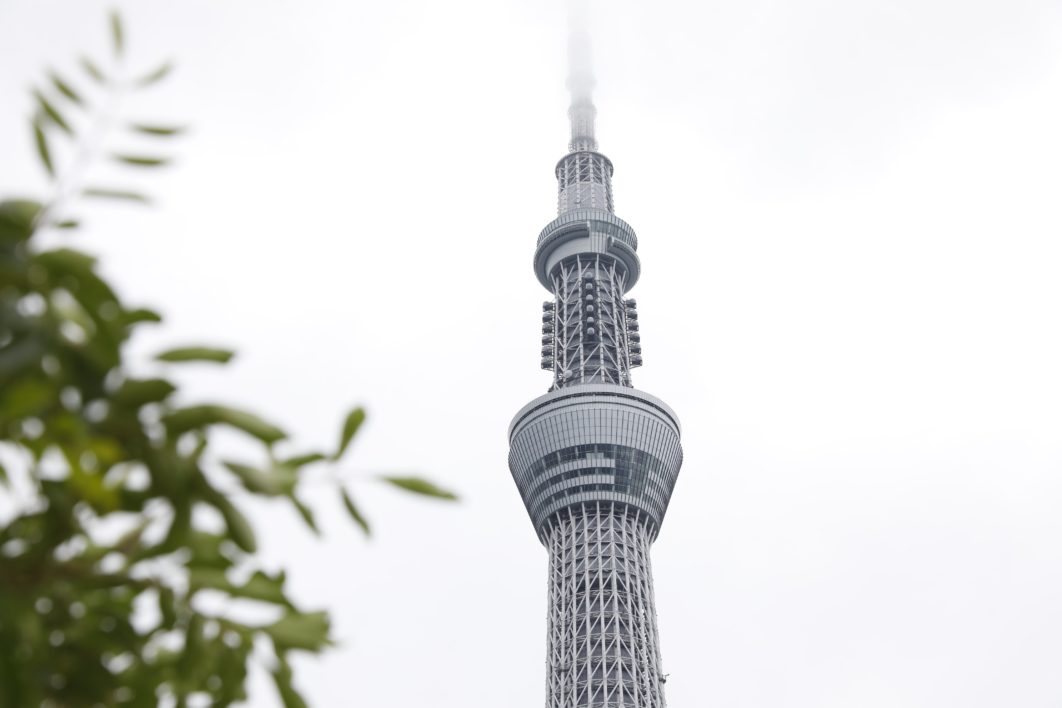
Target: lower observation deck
[{"x": 595, "y": 443}]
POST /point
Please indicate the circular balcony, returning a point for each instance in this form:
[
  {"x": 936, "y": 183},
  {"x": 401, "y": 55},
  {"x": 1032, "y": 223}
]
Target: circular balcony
[{"x": 586, "y": 231}]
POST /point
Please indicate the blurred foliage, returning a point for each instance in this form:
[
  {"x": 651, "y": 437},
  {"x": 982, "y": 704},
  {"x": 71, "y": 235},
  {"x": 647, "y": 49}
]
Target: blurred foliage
[{"x": 124, "y": 547}]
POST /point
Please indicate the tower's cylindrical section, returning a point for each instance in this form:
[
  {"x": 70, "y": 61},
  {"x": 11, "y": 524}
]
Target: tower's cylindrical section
[
  {"x": 584, "y": 180},
  {"x": 603, "y": 649}
]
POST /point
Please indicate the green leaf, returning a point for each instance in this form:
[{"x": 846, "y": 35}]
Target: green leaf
[
  {"x": 196, "y": 417},
  {"x": 53, "y": 114},
  {"x": 17, "y": 218},
  {"x": 92, "y": 489},
  {"x": 420, "y": 486},
  {"x": 193, "y": 646},
  {"x": 179, "y": 527},
  {"x": 350, "y": 427},
  {"x": 288, "y": 695},
  {"x": 354, "y": 512},
  {"x": 93, "y": 70},
  {"x": 207, "y": 550},
  {"x": 265, "y": 588},
  {"x": 67, "y": 224},
  {"x": 139, "y": 392},
  {"x": 306, "y": 513},
  {"x": 131, "y": 317},
  {"x": 97, "y": 302},
  {"x": 64, "y": 261},
  {"x": 155, "y": 75},
  {"x": 259, "y": 586},
  {"x": 140, "y": 160},
  {"x": 159, "y": 130},
  {"x": 302, "y": 460},
  {"x": 65, "y": 88},
  {"x": 205, "y": 576},
  {"x": 43, "y": 151},
  {"x": 105, "y": 193},
  {"x": 167, "y": 607},
  {"x": 220, "y": 356},
  {"x": 117, "y": 33},
  {"x": 300, "y": 630},
  {"x": 277, "y": 481},
  {"x": 240, "y": 530}
]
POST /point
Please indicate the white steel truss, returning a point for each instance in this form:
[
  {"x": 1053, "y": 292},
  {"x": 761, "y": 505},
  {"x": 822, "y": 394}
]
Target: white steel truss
[
  {"x": 589, "y": 332},
  {"x": 584, "y": 181},
  {"x": 603, "y": 649}
]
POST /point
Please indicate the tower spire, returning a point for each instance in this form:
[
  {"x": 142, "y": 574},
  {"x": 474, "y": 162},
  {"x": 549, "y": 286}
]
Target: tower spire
[
  {"x": 584, "y": 176},
  {"x": 581, "y": 112}
]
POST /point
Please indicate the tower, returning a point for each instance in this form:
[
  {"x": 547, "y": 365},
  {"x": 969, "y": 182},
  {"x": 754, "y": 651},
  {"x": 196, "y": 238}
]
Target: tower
[{"x": 595, "y": 459}]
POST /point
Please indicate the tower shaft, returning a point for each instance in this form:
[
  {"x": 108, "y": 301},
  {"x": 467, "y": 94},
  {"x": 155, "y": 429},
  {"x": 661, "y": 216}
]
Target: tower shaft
[{"x": 603, "y": 645}]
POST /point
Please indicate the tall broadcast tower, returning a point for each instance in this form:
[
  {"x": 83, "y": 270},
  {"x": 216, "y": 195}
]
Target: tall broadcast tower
[{"x": 595, "y": 459}]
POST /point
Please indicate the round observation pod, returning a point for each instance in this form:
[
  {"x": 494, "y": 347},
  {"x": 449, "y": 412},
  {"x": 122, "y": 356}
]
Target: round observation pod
[{"x": 595, "y": 443}]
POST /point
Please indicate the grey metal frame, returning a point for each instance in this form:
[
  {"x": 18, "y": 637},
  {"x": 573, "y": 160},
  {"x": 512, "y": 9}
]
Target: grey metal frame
[{"x": 603, "y": 644}]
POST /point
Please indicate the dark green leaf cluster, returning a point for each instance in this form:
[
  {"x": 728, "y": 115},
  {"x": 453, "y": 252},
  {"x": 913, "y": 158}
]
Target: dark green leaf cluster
[
  {"x": 120, "y": 520},
  {"x": 95, "y": 448}
]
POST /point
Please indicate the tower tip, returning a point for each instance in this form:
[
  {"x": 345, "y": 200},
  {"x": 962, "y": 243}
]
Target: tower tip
[{"x": 582, "y": 112}]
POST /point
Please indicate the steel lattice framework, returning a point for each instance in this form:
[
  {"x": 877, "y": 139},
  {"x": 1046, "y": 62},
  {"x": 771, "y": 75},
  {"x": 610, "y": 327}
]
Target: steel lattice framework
[
  {"x": 586, "y": 327},
  {"x": 603, "y": 646},
  {"x": 595, "y": 459}
]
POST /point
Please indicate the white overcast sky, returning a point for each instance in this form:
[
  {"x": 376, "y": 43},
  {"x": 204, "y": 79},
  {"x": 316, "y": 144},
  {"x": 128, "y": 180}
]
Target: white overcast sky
[{"x": 849, "y": 217}]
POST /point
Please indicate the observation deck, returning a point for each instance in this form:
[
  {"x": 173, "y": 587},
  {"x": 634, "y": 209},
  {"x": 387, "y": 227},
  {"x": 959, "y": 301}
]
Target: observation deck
[
  {"x": 595, "y": 443},
  {"x": 587, "y": 231}
]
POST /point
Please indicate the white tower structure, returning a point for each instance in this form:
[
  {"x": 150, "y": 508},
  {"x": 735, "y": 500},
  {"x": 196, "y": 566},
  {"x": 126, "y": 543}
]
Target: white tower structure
[{"x": 595, "y": 459}]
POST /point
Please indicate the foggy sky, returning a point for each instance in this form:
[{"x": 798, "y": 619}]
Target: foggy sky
[{"x": 849, "y": 230}]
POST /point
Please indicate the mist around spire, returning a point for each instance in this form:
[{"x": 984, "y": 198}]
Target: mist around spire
[{"x": 580, "y": 78}]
